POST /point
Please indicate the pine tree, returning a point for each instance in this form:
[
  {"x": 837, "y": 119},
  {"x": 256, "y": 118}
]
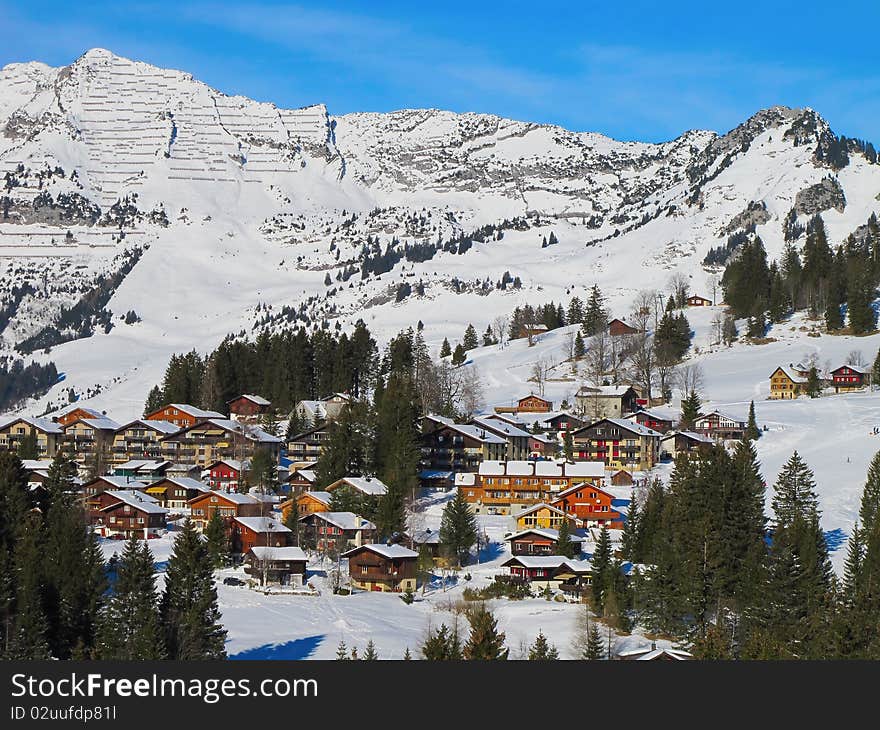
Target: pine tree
[
  {"x": 27, "y": 447},
  {"x": 564, "y": 544},
  {"x": 459, "y": 356},
  {"x": 814, "y": 383},
  {"x": 216, "y": 541},
  {"x": 595, "y": 315},
  {"x": 794, "y": 492},
  {"x": 833, "y": 316},
  {"x": 542, "y": 650},
  {"x": 568, "y": 446},
  {"x": 406, "y": 655},
  {"x": 488, "y": 338},
  {"x": 442, "y": 645},
  {"x": 485, "y": 642},
  {"x": 690, "y": 410},
  {"x": 291, "y": 520},
  {"x": 129, "y": 625},
  {"x": 28, "y": 637},
  {"x": 370, "y": 653},
  {"x": 752, "y": 430},
  {"x": 342, "y": 652},
  {"x": 470, "y": 342},
  {"x": 347, "y": 448},
  {"x": 188, "y": 609},
  {"x": 580, "y": 350},
  {"x": 595, "y": 646},
  {"x": 458, "y": 528},
  {"x": 445, "y": 348},
  {"x": 602, "y": 566},
  {"x": 155, "y": 400}
]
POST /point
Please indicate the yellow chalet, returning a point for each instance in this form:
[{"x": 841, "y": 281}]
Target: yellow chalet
[
  {"x": 787, "y": 383},
  {"x": 541, "y": 515},
  {"x": 48, "y": 434}
]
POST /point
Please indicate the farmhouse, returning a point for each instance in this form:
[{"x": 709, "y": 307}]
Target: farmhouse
[
  {"x": 307, "y": 446},
  {"x": 73, "y": 412},
  {"x": 848, "y": 378},
  {"x": 379, "y": 567},
  {"x": 656, "y": 421},
  {"x": 548, "y": 570},
  {"x": 447, "y": 446},
  {"x": 540, "y": 515},
  {"x": 129, "y": 513},
  {"x": 786, "y": 383},
  {"x": 720, "y": 426},
  {"x": 176, "y": 492},
  {"x": 695, "y": 300},
  {"x": 618, "y": 328}
]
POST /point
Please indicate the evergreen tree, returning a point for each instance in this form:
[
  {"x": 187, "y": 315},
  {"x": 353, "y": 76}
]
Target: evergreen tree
[
  {"x": 370, "y": 653},
  {"x": 752, "y": 430},
  {"x": 568, "y": 446},
  {"x": 442, "y": 645},
  {"x": 595, "y": 314},
  {"x": 470, "y": 342},
  {"x": 485, "y": 641},
  {"x": 564, "y": 544},
  {"x": 129, "y": 625},
  {"x": 794, "y": 492},
  {"x": 155, "y": 400},
  {"x": 595, "y": 646},
  {"x": 348, "y": 446},
  {"x": 291, "y": 520},
  {"x": 188, "y": 609},
  {"x": 458, "y": 528},
  {"x": 27, "y": 447},
  {"x": 875, "y": 371},
  {"x": 690, "y": 410},
  {"x": 28, "y": 637},
  {"x": 814, "y": 383},
  {"x": 406, "y": 655},
  {"x": 580, "y": 349},
  {"x": 602, "y": 563},
  {"x": 216, "y": 541},
  {"x": 445, "y": 348},
  {"x": 342, "y": 652},
  {"x": 488, "y": 338},
  {"x": 459, "y": 356},
  {"x": 263, "y": 471},
  {"x": 542, "y": 650},
  {"x": 833, "y": 316},
  {"x": 575, "y": 313}
]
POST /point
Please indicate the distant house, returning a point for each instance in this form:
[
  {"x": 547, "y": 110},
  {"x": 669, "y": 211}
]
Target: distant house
[
  {"x": 368, "y": 486},
  {"x": 175, "y": 492},
  {"x": 129, "y": 513},
  {"x": 379, "y": 567},
  {"x": 695, "y": 300},
  {"x": 306, "y": 503},
  {"x": 49, "y": 435},
  {"x": 618, "y": 443},
  {"x": 284, "y": 565},
  {"x": 617, "y": 328},
  {"x": 594, "y": 505},
  {"x": 219, "y": 438},
  {"x": 543, "y": 446},
  {"x": 145, "y": 469},
  {"x": 302, "y": 479},
  {"x": 427, "y": 539},
  {"x": 533, "y": 404},
  {"x": 228, "y": 505},
  {"x": 247, "y": 407},
  {"x": 314, "y": 412},
  {"x": 337, "y": 530},
  {"x": 719, "y": 425},
  {"x": 787, "y": 383},
  {"x": 86, "y": 437},
  {"x": 537, "y": 541},
  {"x": 532, "y": 330},
  {"x": 140, "y": 440},
  {"x": 562, "y": 421},
  {"x": 540, "y": 515},
  {"x": 659, "y": 422},
  {"x": 516, "y": 437},
  {"x": 607, "y": 401},
  {"x": 225, "y": 474},
  {"x": 308, "y": 445},
  {"x": 683, "y": 442},
  {"x": 623, "y": 478},
  {"x": 447, "y": 446},
  {"x": 249, "y": 532},
  {"x": 848, "y": 378},
  {"x": 549, "y": 570},
  {"x": 73, "y": 412},
  {"x": 182, "y": 415}
]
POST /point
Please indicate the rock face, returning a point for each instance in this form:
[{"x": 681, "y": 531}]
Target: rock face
[
  {"x": 242, "y": 215},
  {"x": 820, "y": 197}
]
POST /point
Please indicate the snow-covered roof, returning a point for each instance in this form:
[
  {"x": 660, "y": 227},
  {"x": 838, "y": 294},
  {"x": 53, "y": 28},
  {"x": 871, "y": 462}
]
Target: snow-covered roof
[
  {"x": 478, "y": 433},
  {"x": 508, "y": 429},
  {"x": 535, "y": 508},
  {"x": 647, "y": 654},
  {"x": 863, "y": 369},
  {"x": 36, "y": 464},
  {"x": 652, "y": 413},
  {"x": 194, "y": 411},
  {"x": 440, "y": 419},
  {"x": 233, "y": 497},
  {"x": 281, "y": 554},
  {"x": 543, "y": 532},
  {"x": 161, "y": 426},
  {"x": 367, "y": 485},
  {"x": 632, "y": 426},
  {"x": 99, "y": 424},
  {"x": 139, "y": 500},
  {"x": 550, "y": 562},
  {"x": 719, "y": 414},
  {"x": 122, "y": 482},
  {"x": 233, "y": 463},
  {"x": 392, "y": 552},
  {"x": 546, "y": 468},
  {"x": 604, "y": 391},
  {"x": 133, "y": 494},
  {"x": 426, "y": 537},
  {"x": 186, "y": 483},
  {"x": 75, "y": 406},
  {"x": 465, "y": 479},
  {"x": 692, "y": 435},
  {"x": 262, "y": 524},
  {"x": 142, "y": 465},
  {"x": 791, "y": 374},
  {"x": 41, "y": 424},
  {"x": 343, "y": 520},
  {"x": 307, "y": 474},
  {"x": 322, "y": 497},
  {"x": 256, "y": 399},
  {"x": 253, "y": 433}
]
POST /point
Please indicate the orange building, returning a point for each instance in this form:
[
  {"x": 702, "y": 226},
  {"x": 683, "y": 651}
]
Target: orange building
[
  {"x": 306, "y": 504},
  {"x": 182, "y": 415},
  {"x": 591, "y": 504}
]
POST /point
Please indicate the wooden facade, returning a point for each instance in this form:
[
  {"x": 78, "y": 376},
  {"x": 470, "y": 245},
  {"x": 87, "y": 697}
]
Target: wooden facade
[
  {"x": 285, "y": 565},
  {"x": 541, "y": 515},
  {"x": 228, "y": 505},
  {"x": 336, "y": 531},
  {"x": 140, "y": 439},
  {"x": 591, "y": 505},
  {"x": 49, "y": 435},
  {"x": 695, "y": 300},
  {"x": 533, "y": 404},
  {"x": 848, "y": 378},
  {"x": 618, "y": 328},
  {"x": 308, "y": 445},
  {"x": 654, "y": 421},
  {"x": 251, "y": 532},
  {"x": 618, "y": 444},
  {"x": 536, "y": 542},
  {"x": 457, "y": 448},
  {"x": 248, "y": 407},
  {"x": 382, "y": 567},
  {"x": 786, "y": 384},
  {"x": 218, "y": 439}
]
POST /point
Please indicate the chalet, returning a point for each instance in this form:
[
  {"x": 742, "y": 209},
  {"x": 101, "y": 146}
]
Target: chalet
[
  {"x": 540, "y": 515},
  {"x": 695, "y": 300},
  {"x": 542, "y": 447},
  {"x": 594, "y": 504},
  {"x": 786, "y": 383},
  {"x": 319, "y": 411},
  {"x": 617, "y": 443},
  {"x": 537, "y": 541},
  {"x": 532, "y": 330},
  {"x": 143, "y": 469},
  {"x": 178, "y": 469},
  {"x": 140, "y": 439},
  {"x": 561, "y": 422},
  {"x": 225, "y": 474},
  {"x": 284, "y": 565},
  {"x": 49, "y": 435},
  {"x": 607, "y": 401},
  {"x": 129, "y": 513},
  {"x": 518, "y": 440},
  {"x": 654, "y": 654},
  {"x": 95, "y": 501},
  {"x": 427, "y": 540},
  {"x": 219, "y": 438},
  {"x": 182, "y": 415},
  {"x": 249, "y": 532},
  {"x": 73, "y": 412},
  {"x": 176, "y": 492},
  {"x": 719, "y": 426},
  {"x": 618, "y": 328},
  {"x": 248, "y": 407},
  {"x": 36, "y": 471},
  {"x": 507, "y": 487},
  {"x": 87, "y": 438},
  {"x": 623, "y": 478},
  {"x": 533, "y": 404},
  {"x": 659, "y": 422},
  {"x": 684, "y": 442},
  {"x": 449, "y": 446},
  {"x": 335, "y": 531},
  {"x": 307, "y": 446},
  {"x": 306, "y": 503},
  {"x": 381, "y": 567},
  {"x": 103, "y": 483},
  {"x": 848, "y": 378},
  {"x": 227, "y": 504},
  {"x": 301, "y": 479},
  {"x": 549, "y": 570},
  {"x": 368, "y": 486}
]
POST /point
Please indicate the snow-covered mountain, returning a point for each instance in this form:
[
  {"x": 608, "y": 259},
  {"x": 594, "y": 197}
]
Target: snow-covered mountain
[{"x": 143, "y": 190}]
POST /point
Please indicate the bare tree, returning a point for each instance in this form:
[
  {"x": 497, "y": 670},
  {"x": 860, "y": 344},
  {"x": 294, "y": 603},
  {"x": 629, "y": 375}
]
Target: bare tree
[
  {"x": 642, "y": 357},
  {"x": 712, "y": 282},
  {"x": 471, "y": 399},
  {"x": 679, "y": 286},
  {"x": 539, "y": 375},
  {"x": 500, "y": 326},
  {"x": 717, "y": 328},
  {"x": 666, "y": 375},
  {"x": 691, "y": 379},
  {"x": 569, "y": 349},
  {"x": 856, "y": 358}
]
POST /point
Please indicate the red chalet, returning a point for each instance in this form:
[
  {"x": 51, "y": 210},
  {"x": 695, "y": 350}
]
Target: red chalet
[
  {"x": 850, "y": 377},
  {"x": 591, "y": 505},
  {"x": 225, "y": 474},
  {"x": 248, "y": 407}
]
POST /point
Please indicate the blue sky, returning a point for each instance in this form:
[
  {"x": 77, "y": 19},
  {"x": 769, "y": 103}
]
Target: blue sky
[{"x": 632, "y": 70}]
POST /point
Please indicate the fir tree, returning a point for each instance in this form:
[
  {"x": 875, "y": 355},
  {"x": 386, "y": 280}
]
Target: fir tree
[
  {"x": 291, "y": 519},
  {"x": 602, "y": 566},
  {"x": 564, "y": 544},
  {"x": 445, "y": 348},
  {"x": 542, "y": 650},
  {"x": 833, "y": 316},
  {"x": 814, "y": 383},
  {"x": 342, "y": 652},
  {"x": 188, "y": 609},
  {"x": 155, "y": 400},
  {"x": 595, "y": 314},
  {"x": 216, "y": 541},
  {"x": 488, "y": 338},
  {"x": 129, "y": 625},
  {"x": 28, "y": 637},
  {"x": 580, "y": 349},
  {"x": 470, "y": 342},
  {"x": 690, "y": 410},
  {"x": 752, "y": 430},
  {"x": 27, "y": 447},
  {"x": 485, "y": 641},
  {"x": 595, "y": 646},
  {"x": 370, "y": 653},
  {"x": 794, "y": 492},
  {"x": 348, "y": 445},
  {"x": 568, "y": 446},
  {"x": 442, "y": 645},
  {"x": 406, "y": 655},
  {"x": 458, "y": 528},
  {"x": 459, "y": 356}
]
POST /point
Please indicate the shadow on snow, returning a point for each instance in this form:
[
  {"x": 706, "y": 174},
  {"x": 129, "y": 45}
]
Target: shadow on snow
[{"x": 295, "y": 649}]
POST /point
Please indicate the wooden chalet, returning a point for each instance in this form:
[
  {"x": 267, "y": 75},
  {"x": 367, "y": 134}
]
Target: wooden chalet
[
  {"x": 618, "y": 328},
  {"x": 228, "y": 504},
  {"x": 607, "y": 401},
  {"x": 533, "y": 404},
  {"x": 537, "y": 541},
  {"x": 561, "y": 422},
  {"x": 128, "y": 512},
  {"x": 142, "y": 469},
  {"x": 248, "y": 408},
  {"x": 618, "y": 443},
  {"x": 447, "y": 446},
  {"x": 175, "y": 493},
  {"x": 379, "y": 567},
  {"x": 623, "y": 478},
  {"x": 518, "y": 439},
  {"x": 182, "y": 415},
  {"x": 302, "y": 479},
  {"x": 655, "y": 421},
  {"x": 367, "y": 486},
  {"x": 541, "y": 515},
  {"x": 787, "y": 383},
  {"x": 336, "y": 531},
  {"x": 84, "y": 438},
  {"x": 594, "y": 505},
  {"x": 695, "y": 300},
  {"x": 681, "y": 442},
  {"x": 308, "y": 445},
  {"x": 306, "y": 503},
  {"x": 225, "y": 474},
  {"x": 542, "y": 447},
  {"x": 73, "y": 412},
  {"x": 219, "y": 438},
  {"x": 140, "y": 440},
  {"x": 249, "y": 532},
  {"x": 14, "y": 429},
  {"x": 427, "y": 540},
  {"x": 507, "y": 487},
  {"x": 719, "y": 426},
  {"x": 848, "y": 378},
  {"x": 283, "y": 565},
  {"x": 549, "y": 570}
]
